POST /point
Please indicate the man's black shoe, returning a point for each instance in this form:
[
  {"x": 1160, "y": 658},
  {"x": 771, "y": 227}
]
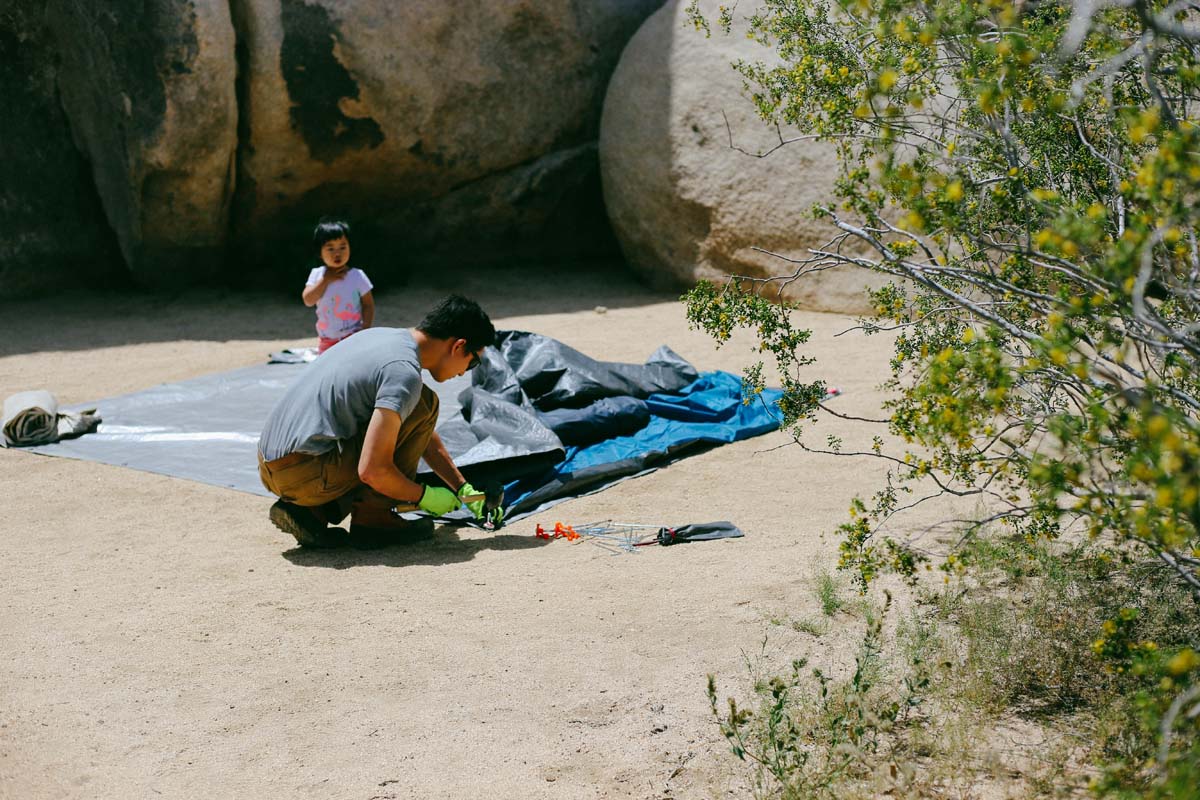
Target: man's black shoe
[
  {"x": 365, "y": 538},
  {"x": 301, "y": 522}
]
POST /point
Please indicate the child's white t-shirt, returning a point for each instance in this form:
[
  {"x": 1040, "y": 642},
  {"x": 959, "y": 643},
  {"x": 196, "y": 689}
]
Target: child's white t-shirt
[{"x": 339, "y": 311}]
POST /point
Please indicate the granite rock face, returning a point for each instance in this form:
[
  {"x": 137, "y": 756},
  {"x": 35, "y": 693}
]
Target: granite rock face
[
  {"x": 685, "y": 204},
  {"x": 149, "y": 88},
  {"x": 214, "y": 133},
  {"x": 449, "y": 131},
  {"x": 52, "y": 227}
]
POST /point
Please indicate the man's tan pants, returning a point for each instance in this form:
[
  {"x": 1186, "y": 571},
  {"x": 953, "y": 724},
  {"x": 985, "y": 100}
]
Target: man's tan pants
[{"x": 329, "y": 482}]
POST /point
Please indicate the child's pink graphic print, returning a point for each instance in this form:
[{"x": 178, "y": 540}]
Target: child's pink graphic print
[{"x": 339, "y": 311}]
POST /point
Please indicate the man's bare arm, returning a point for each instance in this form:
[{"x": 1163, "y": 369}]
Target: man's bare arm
[{"x": 375, "y": 465}]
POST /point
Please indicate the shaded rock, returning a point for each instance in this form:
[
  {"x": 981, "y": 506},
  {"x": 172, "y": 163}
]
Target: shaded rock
[
  {"x": 446, "y": 131},
  {"x": 683, "y": 203},
  {"x": 52, "y": 228},
  {"x": 149, "y": 87},
  {"x": 551, "y": 207}
]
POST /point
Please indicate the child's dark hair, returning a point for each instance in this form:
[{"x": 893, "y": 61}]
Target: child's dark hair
[
  {"x": 456, "y": 317},
  {"x": 329, "y": 229}
]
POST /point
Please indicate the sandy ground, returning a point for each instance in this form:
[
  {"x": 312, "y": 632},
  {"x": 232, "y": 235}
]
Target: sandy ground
[{"x": 161, "y": 638}]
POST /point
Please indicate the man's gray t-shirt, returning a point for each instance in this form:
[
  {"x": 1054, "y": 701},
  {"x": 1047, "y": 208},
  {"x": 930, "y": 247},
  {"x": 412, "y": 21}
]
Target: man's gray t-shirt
[{"x": 333, "y": 399}]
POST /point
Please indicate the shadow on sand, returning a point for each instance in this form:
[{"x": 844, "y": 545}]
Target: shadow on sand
[
  {"x": 446, "y": 546},
  {"x": 91, "y": 320}
]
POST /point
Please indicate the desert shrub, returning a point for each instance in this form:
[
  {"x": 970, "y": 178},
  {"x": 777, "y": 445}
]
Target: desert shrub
[
  {"x": 1029, "y": 176},
  {"x": 1012, "y": 635},
  {"x": 809, "y": 735}
]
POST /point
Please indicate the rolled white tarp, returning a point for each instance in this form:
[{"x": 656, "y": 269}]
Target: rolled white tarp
[{"x": 32, "y": 418}]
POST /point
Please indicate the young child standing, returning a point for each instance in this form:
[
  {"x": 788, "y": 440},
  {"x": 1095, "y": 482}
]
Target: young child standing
[{"x": 341, "y": 293}]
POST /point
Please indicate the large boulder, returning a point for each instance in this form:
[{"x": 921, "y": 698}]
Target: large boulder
[
  {"x": 683, "y": 202},
  {"x": 149, "y": 88},
  {"x": 209, "y": 135},
  {"x": 448, "y": 131},
  {"x": 52, "y": 228}
]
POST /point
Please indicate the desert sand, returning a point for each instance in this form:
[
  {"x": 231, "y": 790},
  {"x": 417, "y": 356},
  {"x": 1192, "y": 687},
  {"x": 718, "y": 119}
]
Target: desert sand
[{"x": 160, "y": 638}]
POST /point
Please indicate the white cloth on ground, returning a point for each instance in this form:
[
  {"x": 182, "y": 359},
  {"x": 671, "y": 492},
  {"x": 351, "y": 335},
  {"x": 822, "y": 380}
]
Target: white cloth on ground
[{"x": 293, "y": 355}]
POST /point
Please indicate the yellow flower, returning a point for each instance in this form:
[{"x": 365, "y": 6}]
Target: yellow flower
[
  {"x": 1157, "y": 425},
  {"x": 1184, "y": 661}
]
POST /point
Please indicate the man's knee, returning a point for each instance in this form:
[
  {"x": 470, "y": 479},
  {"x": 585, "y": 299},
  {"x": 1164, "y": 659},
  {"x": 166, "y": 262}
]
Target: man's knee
[
  {"x": 421, "y": 422},
  {"x": 427, "y": 406},
  {"x": 415, "y": 433}
]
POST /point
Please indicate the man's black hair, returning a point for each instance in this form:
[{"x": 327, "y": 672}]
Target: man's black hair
[
  {"x": 329, "y": 229},
  {"x": 456, "y": 317}
]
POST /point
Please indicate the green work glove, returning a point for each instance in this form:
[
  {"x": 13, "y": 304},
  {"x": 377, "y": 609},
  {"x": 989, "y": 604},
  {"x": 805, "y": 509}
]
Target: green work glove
[
  {"x": 475, "y": 506},
  {"x": 496, "y": 518},
  {"x": 438, "y": 501}
]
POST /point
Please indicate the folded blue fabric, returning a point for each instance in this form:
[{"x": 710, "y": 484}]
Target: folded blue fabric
[{"x": 710, "y": 410}]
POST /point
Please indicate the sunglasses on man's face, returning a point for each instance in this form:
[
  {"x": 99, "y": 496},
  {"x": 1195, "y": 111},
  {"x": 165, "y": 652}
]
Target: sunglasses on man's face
[{"x": 475, "y": 357}]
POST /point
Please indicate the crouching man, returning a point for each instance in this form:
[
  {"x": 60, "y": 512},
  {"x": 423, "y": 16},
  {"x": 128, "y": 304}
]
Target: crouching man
[{"x": 347, "y": 436}]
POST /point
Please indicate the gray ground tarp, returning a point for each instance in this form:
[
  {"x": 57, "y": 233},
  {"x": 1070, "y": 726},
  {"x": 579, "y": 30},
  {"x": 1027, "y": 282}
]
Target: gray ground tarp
[{"x": 206, "y": 429}]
